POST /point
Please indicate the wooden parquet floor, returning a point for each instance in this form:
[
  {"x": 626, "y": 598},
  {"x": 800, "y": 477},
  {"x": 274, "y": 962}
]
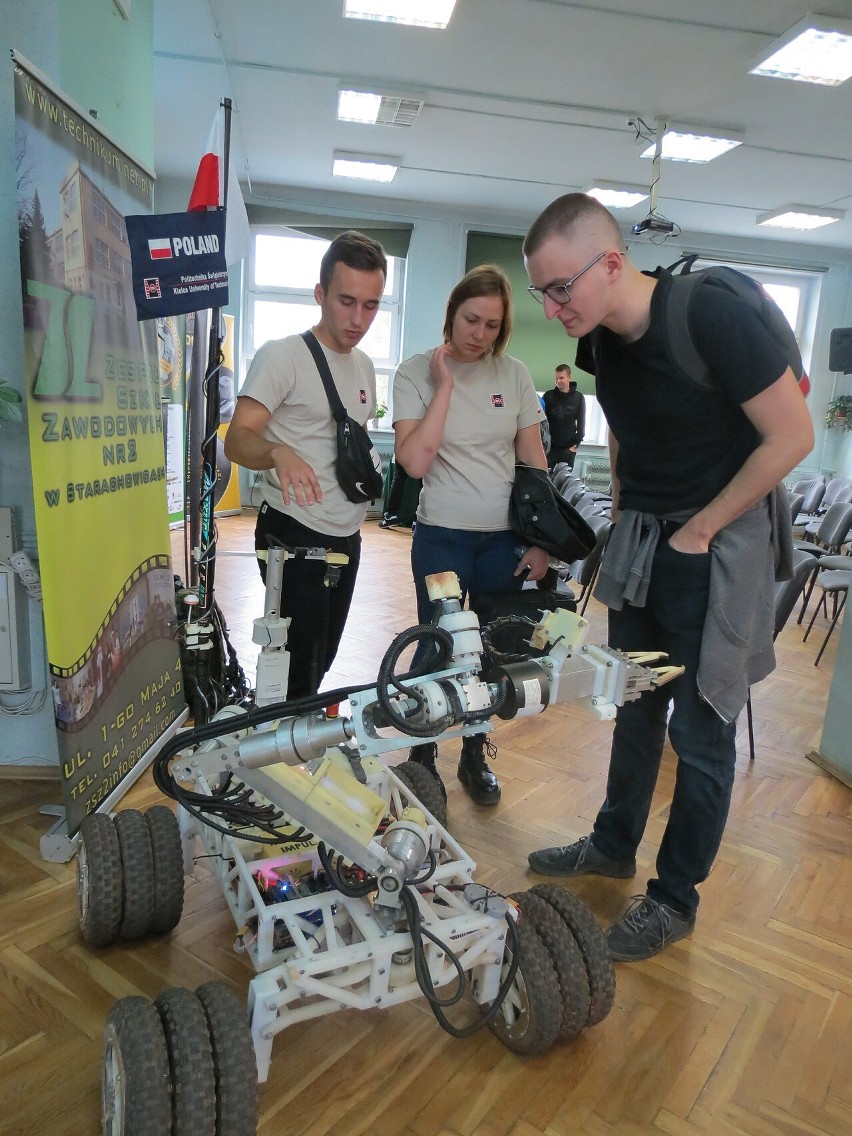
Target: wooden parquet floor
[{"x": 745, "y": 1029}]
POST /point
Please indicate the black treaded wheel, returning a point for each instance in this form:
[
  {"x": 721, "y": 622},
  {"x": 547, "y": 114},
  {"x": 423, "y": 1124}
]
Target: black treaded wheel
[
  {"x": 193, "y": 1079},
  {"x": 135, "y": 1091},
  {"x": 529, "y": 1019},
  {"x": 566, "y": 958},
  {"x": 593, "y": 947},
  {"x": 234, "y": 1062},
  {"x": 168, "y": 869},
  {"x": 99, "y": 890},
  {"x": 137, "y": 873},
  {"x": 424, "y": 787}
]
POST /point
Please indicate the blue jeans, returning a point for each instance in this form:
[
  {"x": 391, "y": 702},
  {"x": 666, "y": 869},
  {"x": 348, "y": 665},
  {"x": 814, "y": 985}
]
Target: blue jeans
[
  {"x": 484, "y": 562},
  {"x": 671, "y": 621}
]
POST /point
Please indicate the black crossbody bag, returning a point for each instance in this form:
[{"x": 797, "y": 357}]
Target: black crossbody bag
[{"x": 358, "y": 467}]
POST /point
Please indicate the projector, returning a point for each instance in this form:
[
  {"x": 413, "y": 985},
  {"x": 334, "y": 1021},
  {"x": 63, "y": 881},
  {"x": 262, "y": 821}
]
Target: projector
[{"x": 653, "y": 225}]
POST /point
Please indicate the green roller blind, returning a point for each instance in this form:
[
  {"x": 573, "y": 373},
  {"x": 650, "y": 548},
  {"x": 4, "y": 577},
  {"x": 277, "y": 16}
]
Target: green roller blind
[
  {"x": 394, "y": 236},
  {"x": 540, "y": 343}
]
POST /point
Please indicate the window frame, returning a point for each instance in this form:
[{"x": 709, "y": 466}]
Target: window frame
[
  {"x": 254, "y": 293},
  {"x": 808, "y": 281}
]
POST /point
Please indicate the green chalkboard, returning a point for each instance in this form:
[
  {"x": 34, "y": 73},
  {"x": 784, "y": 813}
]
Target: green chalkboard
[{"x": 536, "y": 341}]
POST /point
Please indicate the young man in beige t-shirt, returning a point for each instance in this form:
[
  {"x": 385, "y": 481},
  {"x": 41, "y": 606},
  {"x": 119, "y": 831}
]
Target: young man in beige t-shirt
[{"x": 283, "y": 427}]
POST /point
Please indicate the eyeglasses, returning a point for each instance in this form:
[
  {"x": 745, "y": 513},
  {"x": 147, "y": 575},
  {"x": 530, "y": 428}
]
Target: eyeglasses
[{"x": 561, "y": 293}]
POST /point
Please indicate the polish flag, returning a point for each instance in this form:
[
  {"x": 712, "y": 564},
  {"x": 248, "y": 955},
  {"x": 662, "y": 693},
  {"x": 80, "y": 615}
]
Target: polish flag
[
  {"x": 208, "y": 193},
  {"x": 160, "y": 249}
]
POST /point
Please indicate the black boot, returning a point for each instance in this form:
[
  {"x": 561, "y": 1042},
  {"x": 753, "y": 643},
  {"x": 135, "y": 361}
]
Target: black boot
[
  {"x": 479, "y": 782},
  {"x": 425, "y": 755}
]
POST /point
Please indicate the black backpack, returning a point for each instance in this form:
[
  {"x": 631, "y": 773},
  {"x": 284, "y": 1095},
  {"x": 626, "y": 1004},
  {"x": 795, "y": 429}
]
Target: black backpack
[{"x": 683, "y": 287}]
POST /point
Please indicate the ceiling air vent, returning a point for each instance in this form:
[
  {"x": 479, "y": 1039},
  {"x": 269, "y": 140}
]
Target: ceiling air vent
[{"x": 398, "y": 112}]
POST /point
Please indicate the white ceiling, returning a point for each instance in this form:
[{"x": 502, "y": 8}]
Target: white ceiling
[{"x": 524, "y": 100}]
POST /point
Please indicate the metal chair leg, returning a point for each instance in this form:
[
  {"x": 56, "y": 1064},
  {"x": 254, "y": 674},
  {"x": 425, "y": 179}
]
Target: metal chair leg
[
  {"x": 750, "y": 721},
  {"x": 841, "y": 605}
]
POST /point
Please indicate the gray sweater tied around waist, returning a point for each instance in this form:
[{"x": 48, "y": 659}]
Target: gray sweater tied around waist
[{"x": 747, "y": 557}]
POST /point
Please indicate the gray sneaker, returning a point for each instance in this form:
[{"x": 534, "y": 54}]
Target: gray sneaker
[
  {"x": 646, "y": 928},
  {"x": 579, "y": 859}
]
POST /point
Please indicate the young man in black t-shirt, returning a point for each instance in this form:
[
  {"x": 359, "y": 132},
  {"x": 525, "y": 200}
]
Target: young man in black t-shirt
[{"x": 693, "y": 471}]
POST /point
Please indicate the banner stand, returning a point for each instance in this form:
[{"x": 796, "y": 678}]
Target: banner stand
[
  {"x": 56, "y": 846},
  {"x": 95, "y": 429}
]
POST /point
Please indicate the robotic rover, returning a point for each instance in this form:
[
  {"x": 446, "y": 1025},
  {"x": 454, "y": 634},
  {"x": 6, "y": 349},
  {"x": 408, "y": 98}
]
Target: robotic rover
[{"x": 347, "y": 889}]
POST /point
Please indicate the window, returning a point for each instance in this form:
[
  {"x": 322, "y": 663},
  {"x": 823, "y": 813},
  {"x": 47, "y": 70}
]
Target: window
[
  {"x": 72, "y": 245},
  {"x": 795, "y": 291},
  {"x": 101, "y": 253},
  {"x": 99, "y": 209},
  {"x": 69, "y": 200},
  {"x": 596, "y": 430},
  {"x": 280, "y": 300}
]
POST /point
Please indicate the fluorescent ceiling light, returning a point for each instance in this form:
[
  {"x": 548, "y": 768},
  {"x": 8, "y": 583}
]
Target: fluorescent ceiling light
[
  {"x": 377, "y": 109},
  {"x": 695, "y": 144},
  {"x": 817, "y": 49},
  {"x": 420, "y": 13},
  {"x": 367, "y": 167},
  {"x": 802, "y": 217},
  {"x": 358, "y": 106},
  {"x": 614, "y": 195}
]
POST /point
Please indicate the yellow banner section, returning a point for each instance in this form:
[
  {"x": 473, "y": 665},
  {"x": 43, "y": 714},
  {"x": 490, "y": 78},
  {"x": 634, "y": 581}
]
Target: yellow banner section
[{"x": 99, "y": 488}]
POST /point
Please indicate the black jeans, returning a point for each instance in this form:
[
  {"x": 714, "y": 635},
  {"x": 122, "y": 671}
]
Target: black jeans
[
  {"x": 317, "y": 612},
  {"x": 672, "y": 621},
  {"x": 555, "y": 456}
]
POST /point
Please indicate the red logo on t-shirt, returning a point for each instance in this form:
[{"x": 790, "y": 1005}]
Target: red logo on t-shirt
[
  {"x": 497, "y": 400},
  {"x": 362, "y": 397}
]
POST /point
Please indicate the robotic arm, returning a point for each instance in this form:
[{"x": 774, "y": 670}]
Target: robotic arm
[{"x": 294, "y": 759}]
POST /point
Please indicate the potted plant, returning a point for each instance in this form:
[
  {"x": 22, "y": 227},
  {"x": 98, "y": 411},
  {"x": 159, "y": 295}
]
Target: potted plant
[
  {"x": 381, "y": 411},
  {"x": 839, "y": 412}
]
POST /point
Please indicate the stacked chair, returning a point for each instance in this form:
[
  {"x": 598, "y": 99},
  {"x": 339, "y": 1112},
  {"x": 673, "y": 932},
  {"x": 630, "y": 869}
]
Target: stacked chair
[
  {"x": 832, "y": 577},
  {"x": 837, "y": 492},
  {"x": 813, "y": 491},
  {"x": 832, "y": 532},
  {"x": 594, "y": 507},
  {"x": 787, "y": 593}
]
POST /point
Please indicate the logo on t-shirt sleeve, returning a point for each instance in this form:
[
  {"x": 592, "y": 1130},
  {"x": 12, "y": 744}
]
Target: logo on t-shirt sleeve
[
  {"x": 362, "y": 397},
  {"x": 498, "y": 401}
]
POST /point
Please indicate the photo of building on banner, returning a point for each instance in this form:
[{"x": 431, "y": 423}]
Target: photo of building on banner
[{"x": 96, "y": 443}]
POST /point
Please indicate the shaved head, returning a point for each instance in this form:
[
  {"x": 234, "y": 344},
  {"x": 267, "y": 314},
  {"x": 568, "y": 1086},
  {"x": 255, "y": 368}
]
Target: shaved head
[{"x": 574, "y": 216}]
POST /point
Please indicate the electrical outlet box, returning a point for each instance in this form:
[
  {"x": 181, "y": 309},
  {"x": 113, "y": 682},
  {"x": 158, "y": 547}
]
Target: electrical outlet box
[
  {"x": 14, "y": 632},
  {"x": 8, "y": 537}
]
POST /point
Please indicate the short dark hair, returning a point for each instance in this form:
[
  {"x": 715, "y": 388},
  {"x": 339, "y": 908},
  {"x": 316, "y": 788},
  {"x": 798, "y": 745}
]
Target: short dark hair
[
  {"x": 484, "y": 280},
  {"x": 563, "y": 214},
  {"x": 355, "y": 250},
  {"x": 564, "y": 367}
]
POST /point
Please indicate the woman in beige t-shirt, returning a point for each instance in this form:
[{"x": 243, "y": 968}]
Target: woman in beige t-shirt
[{"x": 463, "y": 413}]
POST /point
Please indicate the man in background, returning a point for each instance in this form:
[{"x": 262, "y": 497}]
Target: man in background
[{"x": 565, "y": 409}]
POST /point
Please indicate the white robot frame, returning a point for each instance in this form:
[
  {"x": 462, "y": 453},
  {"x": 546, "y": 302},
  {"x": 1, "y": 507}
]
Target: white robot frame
[
  {"x": 417, "y": 922},
  {"x": 352, "y": 952}
]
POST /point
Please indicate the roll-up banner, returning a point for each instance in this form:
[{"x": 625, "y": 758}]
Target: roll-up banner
[{"x": 93, "y": 378}]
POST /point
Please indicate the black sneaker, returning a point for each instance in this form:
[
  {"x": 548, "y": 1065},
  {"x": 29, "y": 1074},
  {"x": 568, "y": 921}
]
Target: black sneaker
[
  {"x": 579, "y": 859},
  {"x": 479, "y": 782},
  {"x": 388, "y": 521},
  {"x": 647, "y": 928},
  {"x": 426, "y": 754}
]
